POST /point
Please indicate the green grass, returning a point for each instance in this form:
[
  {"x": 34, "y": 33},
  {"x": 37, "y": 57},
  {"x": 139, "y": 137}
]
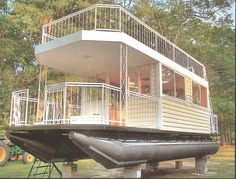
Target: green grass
[{"x": 221, "y": 165}]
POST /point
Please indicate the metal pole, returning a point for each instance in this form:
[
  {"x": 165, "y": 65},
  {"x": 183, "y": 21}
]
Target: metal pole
[
  {"x": 45, "y": 116},
  {"x": 39, "y": 88},
  {"x": 11, "y": 109},
  {"x": 43, "y": 35},
  {"x": 123, "y": 81},
  {"x": 27, "y": 103},
  {"x": 119, "y": 18},
  {"x": 103, "y": 104},
  {"x": 64, "y": 105},
  {"x": 95, "y": 18}
]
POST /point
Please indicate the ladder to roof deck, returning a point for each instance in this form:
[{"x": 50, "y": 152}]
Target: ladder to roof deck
[
  {"x": 213, "y": 120},
  {"x": 40, "y": 169}
]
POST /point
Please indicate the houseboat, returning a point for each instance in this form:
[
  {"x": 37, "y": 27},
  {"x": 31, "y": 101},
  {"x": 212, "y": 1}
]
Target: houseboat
[{"x": 139, "y": 98}]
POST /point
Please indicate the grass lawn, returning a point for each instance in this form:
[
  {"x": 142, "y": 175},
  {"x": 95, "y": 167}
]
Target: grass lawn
[{"x": 221, "y": 165}]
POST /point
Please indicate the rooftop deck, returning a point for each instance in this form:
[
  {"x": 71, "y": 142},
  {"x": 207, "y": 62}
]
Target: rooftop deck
[{"x": 115, "y": 18}]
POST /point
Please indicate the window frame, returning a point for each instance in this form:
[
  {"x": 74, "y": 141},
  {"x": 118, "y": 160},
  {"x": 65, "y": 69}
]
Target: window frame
[
  {"x": 175, "y": 96},
  {"x": 162, "y": 81},
  {"x": 200, "y": 92}
]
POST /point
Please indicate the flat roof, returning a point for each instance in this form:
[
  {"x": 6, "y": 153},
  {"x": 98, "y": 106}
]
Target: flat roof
[{"x": 87, "y": 52}]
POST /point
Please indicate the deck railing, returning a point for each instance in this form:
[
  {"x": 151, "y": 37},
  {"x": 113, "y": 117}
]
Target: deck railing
[
  {"x": 214, "y": 124},
  {"x": 102, "y": 17},
  {"x": 87, "y": 103},
  {"x": 84, "y": 103},
  {"x": 23, "y": 108}
]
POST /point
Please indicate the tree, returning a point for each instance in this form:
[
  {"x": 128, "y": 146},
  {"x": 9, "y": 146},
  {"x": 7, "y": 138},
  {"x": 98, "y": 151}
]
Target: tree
[{"x": 202, "y": 28}]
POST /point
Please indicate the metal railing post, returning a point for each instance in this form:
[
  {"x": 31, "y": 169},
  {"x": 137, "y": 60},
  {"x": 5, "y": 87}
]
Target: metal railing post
[
  {"x": 103, "y": 104},
  {"x": 119, "y": 18},
  {"x": 123, "y": 82},
  {"x": 95, "y": 18},
  {"x": 45, "y": 116},
  {"x": 42, "y": 40},
  {"x": 64, "y": 104},
  {"x": 10, "y": 122},
  {"x": 173, "y": 57},
  {"x": 27, "y": 103}
]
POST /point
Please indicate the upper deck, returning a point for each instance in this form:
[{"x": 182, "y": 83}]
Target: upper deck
[{"x": 114, "y": 18}]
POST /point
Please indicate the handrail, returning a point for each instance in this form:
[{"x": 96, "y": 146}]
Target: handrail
[
  {"x": 83, "y": 84},
  {"x": 69, "y": 16},
  {"x": 142, "y": 95},
  {"x": 154, "y": 31}
]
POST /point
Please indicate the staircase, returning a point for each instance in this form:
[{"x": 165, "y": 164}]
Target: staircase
[
  {"x": 40, "y": 169},
  {"x": 213, "y": 119}
]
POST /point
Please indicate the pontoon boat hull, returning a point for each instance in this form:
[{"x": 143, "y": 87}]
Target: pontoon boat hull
[{"x": 111, "y": 146}]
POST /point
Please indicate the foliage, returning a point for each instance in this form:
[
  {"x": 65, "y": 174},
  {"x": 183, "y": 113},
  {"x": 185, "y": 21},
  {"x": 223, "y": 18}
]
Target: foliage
[{"x": 202, "y": 28}]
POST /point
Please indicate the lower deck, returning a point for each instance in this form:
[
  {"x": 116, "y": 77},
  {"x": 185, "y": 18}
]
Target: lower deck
[
  {"x": 80, "y": 103},
  {"x": 65, "y": 143}
]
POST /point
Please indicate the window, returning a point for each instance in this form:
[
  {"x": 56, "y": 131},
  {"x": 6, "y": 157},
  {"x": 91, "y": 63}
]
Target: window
[
  {"x": 114, "y": 78},
  {"x": 101, "y": 78},
  {"x": 180, "y": 86},
  {"x": 199, "y": 94},
  {"x": 172, "y": 83},
  {"x": 203, "y": 96},
  {"x": 133, "y": 79},
  {"x": 145, "y": 79},
  {"x": 196, "y": 93},
  {"x": 167, "y": 81}
]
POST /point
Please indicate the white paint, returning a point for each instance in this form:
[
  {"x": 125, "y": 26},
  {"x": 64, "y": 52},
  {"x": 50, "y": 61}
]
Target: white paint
[{"x": 114, "y": 37}]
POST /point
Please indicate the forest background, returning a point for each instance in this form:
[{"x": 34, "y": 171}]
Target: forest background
[{"x": 203, "y": 28}]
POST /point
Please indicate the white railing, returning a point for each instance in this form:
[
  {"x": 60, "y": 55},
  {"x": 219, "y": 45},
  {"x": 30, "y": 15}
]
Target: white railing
[
  {"x": 74, "y": 102},
  {"x": 214, "y": 124},
  {"x": 102, "y": 17},
  {"x": 85, "y": 103},
  {"x": 23, "y": 108}
]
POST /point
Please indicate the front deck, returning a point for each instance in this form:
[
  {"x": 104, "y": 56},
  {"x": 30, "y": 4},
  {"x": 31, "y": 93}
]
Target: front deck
[{"x": 84, "y": 103}]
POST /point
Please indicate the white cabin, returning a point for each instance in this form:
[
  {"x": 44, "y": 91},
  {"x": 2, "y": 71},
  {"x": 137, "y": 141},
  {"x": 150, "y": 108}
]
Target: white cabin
[{"x": 135, "y": 77}]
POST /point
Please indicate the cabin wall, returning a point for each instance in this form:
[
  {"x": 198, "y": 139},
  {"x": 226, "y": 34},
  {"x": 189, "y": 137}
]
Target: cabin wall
[
  {"x": 142, "y": 113},
  {"x": 182, "y": 116},
  {"x": 188, "y": 87}
]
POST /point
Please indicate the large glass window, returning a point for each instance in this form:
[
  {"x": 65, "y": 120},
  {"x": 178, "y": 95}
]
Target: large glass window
[
  {"x": 167, "y": 81},
  {"x": 179, "y": 86},
  {"x": 114, "y": 78},
  {"x": 145, "y": 79},
  {"x": 173, "y": 84},
  {"x": 101, "y": 78},
  {"x": 196, "y": 93},
  {"x": 203, "y": 96},
  {"x": 199, "y": 94},
  {"x": 133, "y": 79}
]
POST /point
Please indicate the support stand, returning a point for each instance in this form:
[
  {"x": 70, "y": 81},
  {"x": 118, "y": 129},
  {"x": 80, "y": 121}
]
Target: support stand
[
  {"x": 132, "y": 172},
  {"x": 151, "y": 169},
  {"x": 178, "y": 164},
  {"x": 201, "y": 165},
  {"x": 69, "y": 170}
]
